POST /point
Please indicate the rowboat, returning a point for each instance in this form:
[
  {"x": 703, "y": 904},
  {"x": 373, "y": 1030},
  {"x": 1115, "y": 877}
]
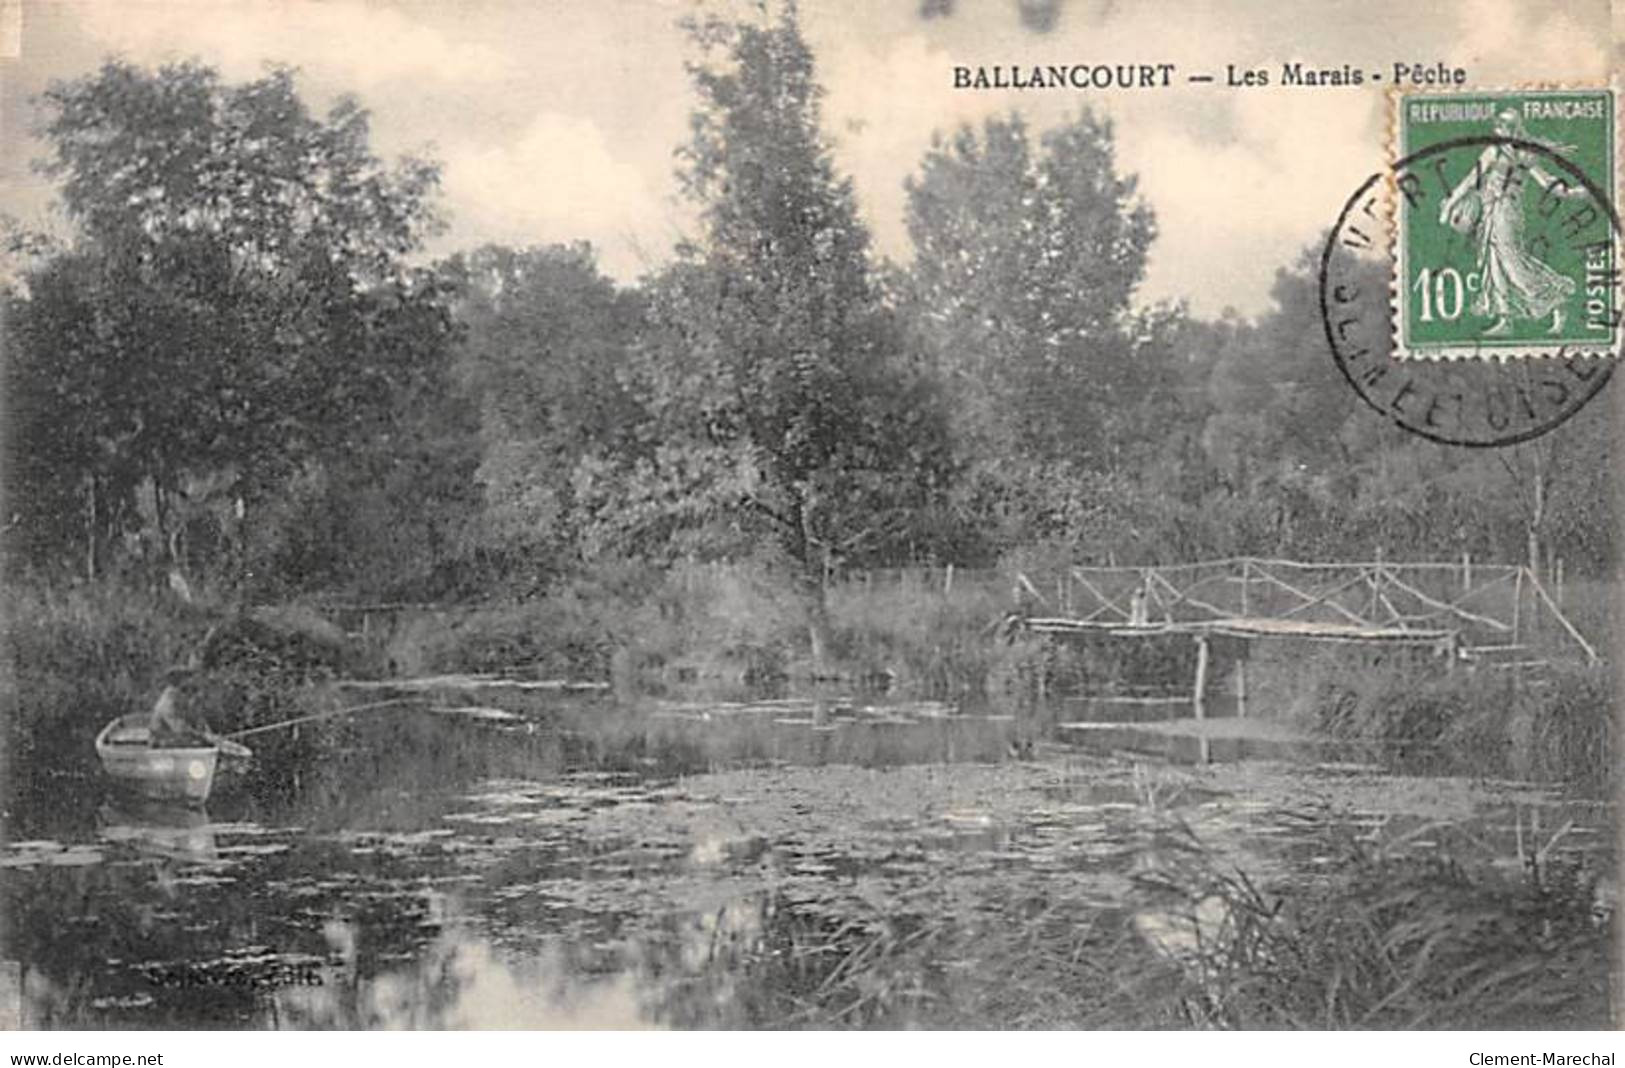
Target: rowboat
[{"x": 174, "y": 773}]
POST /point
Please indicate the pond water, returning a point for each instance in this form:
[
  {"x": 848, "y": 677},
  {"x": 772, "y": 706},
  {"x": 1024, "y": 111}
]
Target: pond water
[{"x": 565, "y": 862}]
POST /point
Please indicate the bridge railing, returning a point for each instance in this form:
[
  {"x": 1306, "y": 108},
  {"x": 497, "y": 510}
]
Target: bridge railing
[{"x": 1491, "y": 606}]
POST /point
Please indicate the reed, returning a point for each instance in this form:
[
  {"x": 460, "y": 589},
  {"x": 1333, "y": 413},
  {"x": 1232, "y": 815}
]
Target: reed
[
  {"x": 1389, "y": 941},
  {"x": 734, "y": 624},
  {"x": 1374, "y": 940},
  {"x": 1555, "y": 724},
  {"x": 75, "y": 657}
]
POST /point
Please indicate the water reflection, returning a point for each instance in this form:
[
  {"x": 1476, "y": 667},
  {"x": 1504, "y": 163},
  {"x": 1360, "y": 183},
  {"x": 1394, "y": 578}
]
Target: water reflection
[
  {"x": 613, "y": 868},
  {"x": 458, "y": 980},
  {"x": 170, "y": 831}
]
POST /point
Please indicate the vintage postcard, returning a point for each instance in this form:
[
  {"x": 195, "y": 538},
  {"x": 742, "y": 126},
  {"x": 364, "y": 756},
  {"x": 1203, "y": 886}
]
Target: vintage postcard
[{"x": 908, "y": 515}]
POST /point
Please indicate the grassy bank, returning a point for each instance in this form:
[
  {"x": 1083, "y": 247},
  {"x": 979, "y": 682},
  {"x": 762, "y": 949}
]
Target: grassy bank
[
  {"x": 1405, "y": 945},
  {"x": 739, "y": 625},
  {"x": 75, "y": 658},
  {"x": 1552, "y": 724},
  {"x": 79, "y": 655}
]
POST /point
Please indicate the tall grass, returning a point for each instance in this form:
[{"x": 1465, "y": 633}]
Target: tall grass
[
  {"x": 1395, "y": 942},
  {"x": 616, "y": 619},
  {"x": 740, "y": 623},
  {"x": 76, "y": 656},
  {"x": 1554, "y": 724},
  {"x": 934, "y": 635},
  {"x": 1369, "y": 940}
]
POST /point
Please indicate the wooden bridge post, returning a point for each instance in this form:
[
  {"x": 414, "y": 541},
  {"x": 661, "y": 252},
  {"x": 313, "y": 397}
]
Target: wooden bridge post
[
  {"x": 1241, "y": 685},
  {"x": 1517, "y": 604},
  {"x": 1197, "y": 707},
  {"x": 1517, "y": 619},
  {"x": 1376, "y": 586}
]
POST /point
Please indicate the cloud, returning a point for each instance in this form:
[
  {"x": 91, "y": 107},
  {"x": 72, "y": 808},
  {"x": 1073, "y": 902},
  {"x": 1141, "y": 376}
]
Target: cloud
[
  {"x": 1240, "y": 182},
  {"x": 1230, "y": 214},
  {"x": 881, "y": 113},
  {"x": 1523, "y": 42},
  {"x": 359, "y": 47},
  {"x": 556, "y": 121},
  {"x": 557, "y": 181}
]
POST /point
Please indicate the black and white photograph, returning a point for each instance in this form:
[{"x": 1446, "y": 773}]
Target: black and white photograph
[{"x": 807, "y": 515}]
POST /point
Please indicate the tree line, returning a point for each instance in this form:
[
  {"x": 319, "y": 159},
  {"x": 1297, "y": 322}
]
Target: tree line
[{"x": 241, "y": 366}]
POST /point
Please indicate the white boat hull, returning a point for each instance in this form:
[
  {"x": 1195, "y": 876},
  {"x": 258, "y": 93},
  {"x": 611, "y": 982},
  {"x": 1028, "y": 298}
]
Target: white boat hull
[{"x": 162, "y": 774}]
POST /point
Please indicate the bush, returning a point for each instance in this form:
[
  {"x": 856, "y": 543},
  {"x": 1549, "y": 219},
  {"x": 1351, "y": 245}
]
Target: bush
[
  {"x": 1574, "y": 729},
  {"x": 74, "y": 658},
  {"x": 933, "y": 639},
  {"x": 1394, "y": 942},
  {"x": 1554, "y": 724},
  {"x": 739, "y": 623},
  {"x": 612, "y": 618},
  {"x": 78, "y": 655}
]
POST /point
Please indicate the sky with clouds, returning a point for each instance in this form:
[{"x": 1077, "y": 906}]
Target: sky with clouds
[{"x": 557, "y": 121}]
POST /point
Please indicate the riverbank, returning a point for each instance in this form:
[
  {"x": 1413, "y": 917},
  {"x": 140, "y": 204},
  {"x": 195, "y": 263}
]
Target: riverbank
[
  {"x": 736, "y": 632},
  {"x": 735, "y": 627}
]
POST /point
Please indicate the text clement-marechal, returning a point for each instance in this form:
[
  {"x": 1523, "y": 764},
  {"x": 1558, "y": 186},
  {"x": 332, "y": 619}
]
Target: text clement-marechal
[{"x": 1066, "y": 76}]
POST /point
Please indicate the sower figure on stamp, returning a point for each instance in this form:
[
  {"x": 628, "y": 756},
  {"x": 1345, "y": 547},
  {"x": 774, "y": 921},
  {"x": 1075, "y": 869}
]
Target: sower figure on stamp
[{"x": 1513, "y": 282}]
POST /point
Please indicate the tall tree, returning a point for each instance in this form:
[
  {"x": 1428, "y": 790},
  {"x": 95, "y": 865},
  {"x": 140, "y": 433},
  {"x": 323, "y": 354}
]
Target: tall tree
[
  {"x": 1025, "y": 260},
  {"x": 546, "y": 355},
  {"x": 230, "y": 310},
  {"x": 778, "y": 378}
]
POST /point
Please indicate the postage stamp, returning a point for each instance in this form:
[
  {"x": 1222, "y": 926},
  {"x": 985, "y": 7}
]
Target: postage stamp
[
  {"x": 1504, "y": 238},
  {"x": 1463, "y": 377}
]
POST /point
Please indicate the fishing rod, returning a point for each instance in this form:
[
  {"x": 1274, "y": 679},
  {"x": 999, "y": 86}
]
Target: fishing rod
[{"x": 322, "y": 715}]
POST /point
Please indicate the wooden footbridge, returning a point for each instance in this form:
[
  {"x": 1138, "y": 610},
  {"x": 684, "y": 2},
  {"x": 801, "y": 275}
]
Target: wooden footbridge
[
  {"x": 1250, "y": 609},
  {"x": 1481, "y": 610}
]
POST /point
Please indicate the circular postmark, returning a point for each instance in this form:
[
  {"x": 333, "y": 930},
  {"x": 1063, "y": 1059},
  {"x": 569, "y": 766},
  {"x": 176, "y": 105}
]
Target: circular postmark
[{"x": 1492, "y": 390}]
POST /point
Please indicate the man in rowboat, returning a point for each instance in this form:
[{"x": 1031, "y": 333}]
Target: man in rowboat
[
  {"x": 174, "y": 720},
  {"x": 176, "y": 723}
]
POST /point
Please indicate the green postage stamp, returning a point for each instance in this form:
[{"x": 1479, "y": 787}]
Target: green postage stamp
[{"x": 1507, "y": 236}]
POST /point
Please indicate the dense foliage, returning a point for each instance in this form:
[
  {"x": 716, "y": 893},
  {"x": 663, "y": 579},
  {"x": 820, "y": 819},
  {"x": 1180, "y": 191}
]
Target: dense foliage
[
  {"x": 239, "y": 368},
  {"x": 235, "y": 338}
]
